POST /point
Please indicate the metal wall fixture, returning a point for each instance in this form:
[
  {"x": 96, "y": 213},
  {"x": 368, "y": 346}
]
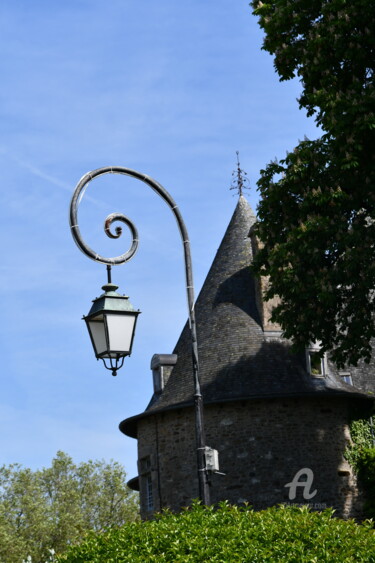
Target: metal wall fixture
[{"x": 112, "y": 319}]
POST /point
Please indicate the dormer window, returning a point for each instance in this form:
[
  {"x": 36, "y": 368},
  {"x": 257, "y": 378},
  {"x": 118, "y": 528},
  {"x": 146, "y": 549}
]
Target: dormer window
[
  {"x": 161, "y": 366},
  {"x": 346, "y": 377},
  {"x": 316, "y": 364}
]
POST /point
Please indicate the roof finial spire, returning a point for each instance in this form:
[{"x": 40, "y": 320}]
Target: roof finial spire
[{"x": 239, "y": 180}]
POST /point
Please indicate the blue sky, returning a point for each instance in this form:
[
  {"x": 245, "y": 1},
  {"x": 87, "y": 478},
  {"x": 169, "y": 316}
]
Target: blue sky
[{"x": 171, "y": 89}]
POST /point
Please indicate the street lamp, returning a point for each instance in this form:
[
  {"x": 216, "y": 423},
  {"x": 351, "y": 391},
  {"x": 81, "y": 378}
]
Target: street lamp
[
  {"x": 111, "y": 320},
  {"x": 111, "y": 324}
]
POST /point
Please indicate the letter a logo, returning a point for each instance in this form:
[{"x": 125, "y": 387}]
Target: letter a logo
[{"x": 306, "y": 485}]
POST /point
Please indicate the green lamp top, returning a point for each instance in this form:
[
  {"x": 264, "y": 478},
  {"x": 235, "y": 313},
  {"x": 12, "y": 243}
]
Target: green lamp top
[{"x": 111, "y": 301}]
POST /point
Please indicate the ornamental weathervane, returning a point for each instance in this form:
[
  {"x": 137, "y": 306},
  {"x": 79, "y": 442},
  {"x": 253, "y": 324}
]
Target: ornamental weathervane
[{"x": 240, "y": 182}]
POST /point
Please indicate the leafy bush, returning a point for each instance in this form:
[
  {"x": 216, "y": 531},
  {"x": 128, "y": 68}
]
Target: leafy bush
[
  {"x": 366, "y": 473},
  {"x": 361, "y": 456},
  {"x": 361, "y": 434},
  {"x": 231, "y": 534}
]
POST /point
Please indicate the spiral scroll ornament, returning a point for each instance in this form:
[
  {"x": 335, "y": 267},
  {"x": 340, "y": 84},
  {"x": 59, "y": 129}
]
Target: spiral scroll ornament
[{"x": 81, "y": 186}]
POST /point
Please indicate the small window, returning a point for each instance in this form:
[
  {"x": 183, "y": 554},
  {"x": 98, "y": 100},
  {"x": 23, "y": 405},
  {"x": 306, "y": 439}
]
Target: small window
[
  {"x": 346, "y": 377},
  {"x": 146, "y": 483},
  {"x": 316, "y": 363},
  {"x": 149, "y": 492}
]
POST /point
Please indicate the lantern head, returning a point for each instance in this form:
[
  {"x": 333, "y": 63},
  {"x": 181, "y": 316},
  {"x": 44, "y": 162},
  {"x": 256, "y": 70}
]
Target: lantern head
[{"x": 111, "y": 324}]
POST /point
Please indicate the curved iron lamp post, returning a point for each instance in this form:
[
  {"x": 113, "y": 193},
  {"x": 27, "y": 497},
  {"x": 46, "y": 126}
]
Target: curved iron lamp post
[{"x": 108, "y": 309}]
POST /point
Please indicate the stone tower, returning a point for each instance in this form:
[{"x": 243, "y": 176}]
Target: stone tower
[{"x": 278, "y": 420}]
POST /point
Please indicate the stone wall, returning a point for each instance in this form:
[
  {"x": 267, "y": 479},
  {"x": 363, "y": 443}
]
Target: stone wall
[{"x": 262, "y": 446}]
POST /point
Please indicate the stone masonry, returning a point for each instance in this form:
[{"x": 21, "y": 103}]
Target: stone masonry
[{"x": 262, "y": 445}]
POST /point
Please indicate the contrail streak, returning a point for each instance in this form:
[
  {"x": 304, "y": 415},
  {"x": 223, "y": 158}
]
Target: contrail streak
[{"x": 51, "y": 179}]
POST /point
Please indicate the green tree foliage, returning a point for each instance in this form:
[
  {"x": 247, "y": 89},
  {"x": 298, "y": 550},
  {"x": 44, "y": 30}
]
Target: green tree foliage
[
  {"x": 317, "y": 209},
  {"x": 231, "y": 534},
  {"x": 54, "y": 507},
  {"x": 361, "y": 456}
]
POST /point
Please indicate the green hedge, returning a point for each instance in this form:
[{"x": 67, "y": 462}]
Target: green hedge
[{"x": 231, "y": 534}]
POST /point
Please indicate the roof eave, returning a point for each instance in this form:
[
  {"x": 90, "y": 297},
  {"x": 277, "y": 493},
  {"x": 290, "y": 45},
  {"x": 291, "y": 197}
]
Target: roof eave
[{"x": 129, "y": 425}]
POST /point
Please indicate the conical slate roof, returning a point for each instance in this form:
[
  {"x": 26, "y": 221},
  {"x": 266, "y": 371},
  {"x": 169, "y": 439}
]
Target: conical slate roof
[
  {"x": 237, "y": 358},
  {"x": 228, "y": 322}
]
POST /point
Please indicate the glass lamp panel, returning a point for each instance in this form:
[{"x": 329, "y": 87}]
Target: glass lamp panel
[
  {"x": 97, "y": 330},
  {"x": 120, "y": 332}
]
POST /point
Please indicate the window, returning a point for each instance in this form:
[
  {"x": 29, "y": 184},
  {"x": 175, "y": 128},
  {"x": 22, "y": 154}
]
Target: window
[
  {"x": 146, "y": 483},
  {"x": 316, "y": 363},
  {"x": 346, "y": 377},
  {"x": 149, "y": 492}
]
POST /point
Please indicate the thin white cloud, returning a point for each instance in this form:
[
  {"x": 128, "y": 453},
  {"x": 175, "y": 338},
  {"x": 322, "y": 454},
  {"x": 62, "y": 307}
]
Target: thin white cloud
[
  {"x": 36, "y": 171},
  {"x": 47, "y": 177}
]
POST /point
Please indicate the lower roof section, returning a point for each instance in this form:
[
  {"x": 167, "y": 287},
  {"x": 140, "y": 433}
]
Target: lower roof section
[{"x": 133, "y": 484}]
